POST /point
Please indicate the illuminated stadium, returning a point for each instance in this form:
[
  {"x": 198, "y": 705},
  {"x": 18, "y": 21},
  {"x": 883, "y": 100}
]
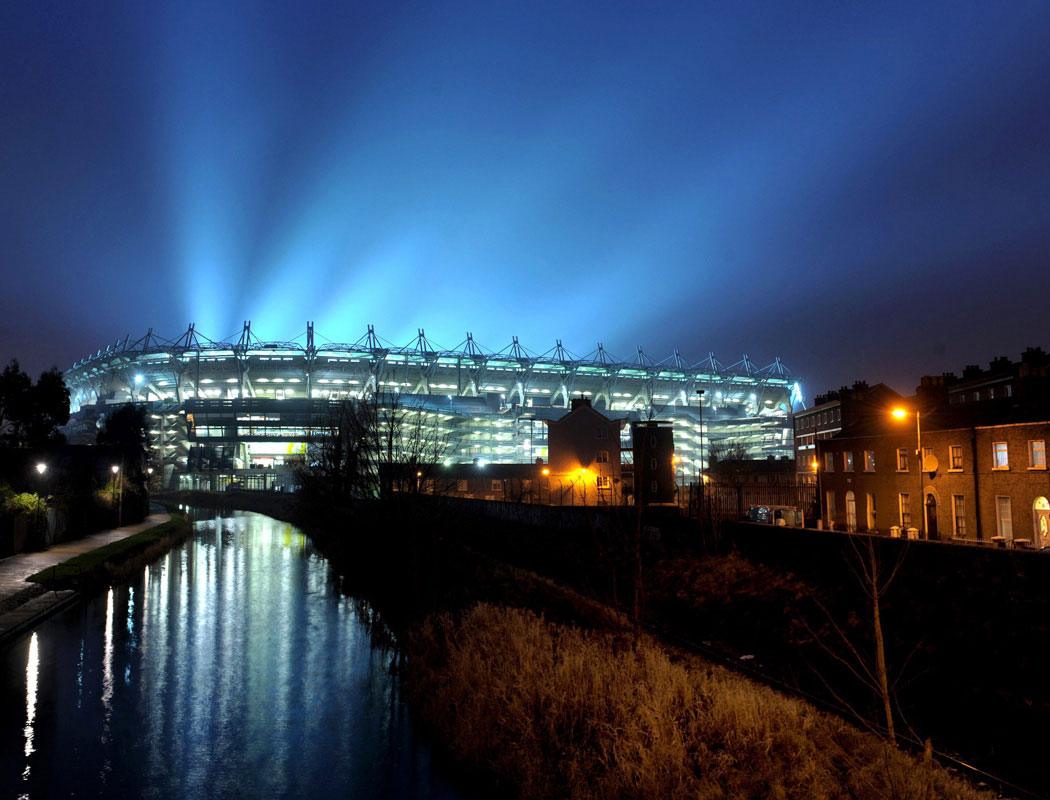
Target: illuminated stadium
[{"x": 243, "y": 410}]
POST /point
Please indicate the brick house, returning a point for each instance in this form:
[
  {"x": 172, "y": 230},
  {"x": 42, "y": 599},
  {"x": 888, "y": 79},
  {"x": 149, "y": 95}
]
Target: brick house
[{"x": 984, "y": 470}]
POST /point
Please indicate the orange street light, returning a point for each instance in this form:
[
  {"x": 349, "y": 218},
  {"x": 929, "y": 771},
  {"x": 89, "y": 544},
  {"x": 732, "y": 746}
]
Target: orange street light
[
  {"x": 815, "y": 464},
  {"x": 901, "y": 413},
  {"x": 545, "y": 471}
]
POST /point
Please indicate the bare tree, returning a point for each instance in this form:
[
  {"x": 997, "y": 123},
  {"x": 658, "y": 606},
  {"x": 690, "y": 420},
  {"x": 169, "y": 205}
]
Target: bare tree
[
  {"x": 873, "y": 579},
  {"x": 372, "y": 447}
]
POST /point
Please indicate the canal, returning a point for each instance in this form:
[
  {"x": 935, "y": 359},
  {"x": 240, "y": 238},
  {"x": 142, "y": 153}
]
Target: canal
[{"x": 231, "y": 667}]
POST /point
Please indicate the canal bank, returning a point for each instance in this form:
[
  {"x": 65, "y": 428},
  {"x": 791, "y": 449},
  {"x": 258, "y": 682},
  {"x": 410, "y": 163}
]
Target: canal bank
[
  {"x": 424, "y": 573},
  {"x": 37, "y": 584}
]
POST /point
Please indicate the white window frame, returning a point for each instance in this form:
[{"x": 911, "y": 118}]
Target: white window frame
[
  {"x": 869, "y": 461},
  {"x": 1004, "y": 524},
  {"x": 902, "y": 458},
  {"x": 1032, "y": 449},
  {"x": 904, "y": 499},
  {"x": 995, "y": 456},
  {"x": 953, "y": 449},
  {"x": 958, "y": 515}
]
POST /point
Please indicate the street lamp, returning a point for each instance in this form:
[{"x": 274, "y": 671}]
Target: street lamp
[
  {"x": 41, "y": 468},
  {"x": 900, "y": 413},
  {"x": 115, "y": 469}
]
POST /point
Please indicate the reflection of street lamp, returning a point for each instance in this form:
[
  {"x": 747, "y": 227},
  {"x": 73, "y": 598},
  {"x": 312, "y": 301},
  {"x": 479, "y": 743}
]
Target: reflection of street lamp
[
  {"x": 900, "y": 413},
  {"x": 700, "y": 412}
]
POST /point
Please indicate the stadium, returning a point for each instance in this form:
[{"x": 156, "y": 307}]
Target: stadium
[{"x": 241, "y": 411}]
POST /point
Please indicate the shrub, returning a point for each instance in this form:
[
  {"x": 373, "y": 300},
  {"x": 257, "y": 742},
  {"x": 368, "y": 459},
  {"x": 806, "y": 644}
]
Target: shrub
[{"x": 551, "y": 711}]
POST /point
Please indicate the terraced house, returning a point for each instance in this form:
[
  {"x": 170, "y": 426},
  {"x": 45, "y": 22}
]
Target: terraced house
[{"x": 964, "y": 459}]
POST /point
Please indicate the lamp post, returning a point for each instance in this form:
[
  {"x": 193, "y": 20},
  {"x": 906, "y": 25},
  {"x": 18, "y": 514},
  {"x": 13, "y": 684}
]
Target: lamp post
[
  {"x": 902, "y": 413},
  {"x": 117, "y": 476}
]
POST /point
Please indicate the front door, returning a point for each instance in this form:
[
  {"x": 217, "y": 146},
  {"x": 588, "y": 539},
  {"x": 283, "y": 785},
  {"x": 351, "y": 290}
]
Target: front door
[
  {"x": 931, "y": 516},
  {"x": 1041, "y": 510}
]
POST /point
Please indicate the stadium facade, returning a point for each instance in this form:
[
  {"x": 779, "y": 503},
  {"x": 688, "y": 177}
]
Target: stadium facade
[{"x": 243, "y": 410}]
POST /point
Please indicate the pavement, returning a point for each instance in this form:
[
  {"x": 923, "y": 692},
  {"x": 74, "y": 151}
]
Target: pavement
[{"x": 23, "y": 603}]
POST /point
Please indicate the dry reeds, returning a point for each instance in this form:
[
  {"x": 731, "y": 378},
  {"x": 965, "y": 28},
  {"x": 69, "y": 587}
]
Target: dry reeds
[{"x": 552, "y": 711}]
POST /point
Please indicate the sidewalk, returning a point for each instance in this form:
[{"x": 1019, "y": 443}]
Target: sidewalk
[{"x": 22, "y": 603}]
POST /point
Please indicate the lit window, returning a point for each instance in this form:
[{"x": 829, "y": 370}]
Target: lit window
[
  {"x": 847, "y": 461},
  {"x": 1004, "y": 517},
  {"x": 1000, "y": 456},
  {"x": 958, "y": 516},
  {"x": 955, "y": 457},
  {"x": 604, "y": 482},
  {"x": 869, "y": 460},
  {"x": 1037, "y": 454},
  {"x": 904, "y": 503},
  {"x": 902, "y": 459},
  {"x": 497, "y": 486}
]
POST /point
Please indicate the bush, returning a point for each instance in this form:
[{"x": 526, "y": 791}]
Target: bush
[{"x": 551, "y": 711}]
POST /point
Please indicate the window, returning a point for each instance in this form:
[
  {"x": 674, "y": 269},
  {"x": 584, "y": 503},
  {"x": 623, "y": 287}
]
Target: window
[
  {"x": 604, "y": 482},
  {"x": 902, "y": 459},
  {"x": 955, "y": 457},
  {"x": 1000, "y": 456},
  {"x": 461, "y": 486},
  {"x": 869, "y": 460},
  {"x": 497, "y": 486},
  {"x": 829, "y": 462},
  {"x": 958, "y": 516},
  {"x": 603, "y": 457},
  {"x": 601, "y": 432},
  {"x": 1037, "y": 454},
  {"x": 847, "y": 461},
  {"x": 1003, "y": 517},
  {"x": 829, "y": 507},
  {"x": 654, "y": 487},
  {"x": 904, "y": 503}
]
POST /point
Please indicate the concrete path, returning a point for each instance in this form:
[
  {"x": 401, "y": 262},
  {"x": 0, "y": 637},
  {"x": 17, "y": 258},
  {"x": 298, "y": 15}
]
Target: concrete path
[
  {"x": 21, "y": 602},
  {"x": 15, "y": 569}
]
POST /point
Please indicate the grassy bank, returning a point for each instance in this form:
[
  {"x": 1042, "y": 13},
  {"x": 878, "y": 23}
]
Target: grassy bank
[
  {"x": 550, "y": 711},
  {"x": 116, "y": 560}
]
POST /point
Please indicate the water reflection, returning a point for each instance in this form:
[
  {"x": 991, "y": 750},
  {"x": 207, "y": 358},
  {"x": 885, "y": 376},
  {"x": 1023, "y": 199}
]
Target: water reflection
[
  {"x": 32, "y": 672},
  {"x": 245, "y": 673}
]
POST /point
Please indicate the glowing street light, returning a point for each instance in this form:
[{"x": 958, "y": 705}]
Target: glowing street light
[
  {"x": 901, "y": 413},
  {"x": 545, "y": 471},
  {"x": 41, "y": 468},
  {"x": 115, "y": 469}
]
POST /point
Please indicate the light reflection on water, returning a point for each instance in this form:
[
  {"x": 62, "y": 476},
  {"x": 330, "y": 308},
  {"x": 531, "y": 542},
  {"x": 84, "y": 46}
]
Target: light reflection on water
[{"x": 244, "y": 673}]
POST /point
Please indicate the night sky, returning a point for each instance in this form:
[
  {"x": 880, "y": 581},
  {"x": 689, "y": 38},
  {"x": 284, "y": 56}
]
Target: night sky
[{"x": 863, "y": 191}]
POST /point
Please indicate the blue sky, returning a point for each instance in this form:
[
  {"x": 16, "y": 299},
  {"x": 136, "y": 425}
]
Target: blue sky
[{"x": 862, "y": 190}]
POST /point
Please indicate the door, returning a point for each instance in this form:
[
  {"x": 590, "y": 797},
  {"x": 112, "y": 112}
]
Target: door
[
  {"x": 1041, "y": 512},
  {"x": 871, "y": 511},
  {"x": 851, "y": 512},
  {"x": 931, "y": 517}
]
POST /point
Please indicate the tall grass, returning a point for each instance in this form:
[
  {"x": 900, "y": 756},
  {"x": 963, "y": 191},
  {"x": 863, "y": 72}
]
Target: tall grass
[{"x": 551, "y": 711}]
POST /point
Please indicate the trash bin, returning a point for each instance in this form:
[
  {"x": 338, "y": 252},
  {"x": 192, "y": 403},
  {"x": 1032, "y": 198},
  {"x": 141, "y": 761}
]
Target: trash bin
[
  {"x": 913, "y": 533},
  {"x": 895, "y": 531}
]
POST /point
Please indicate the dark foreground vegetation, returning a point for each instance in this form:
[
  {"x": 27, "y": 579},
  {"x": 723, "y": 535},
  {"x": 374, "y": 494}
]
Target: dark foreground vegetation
[
  {"x": 539, "y": 686},
  {"x": 556, "y": 711}
]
